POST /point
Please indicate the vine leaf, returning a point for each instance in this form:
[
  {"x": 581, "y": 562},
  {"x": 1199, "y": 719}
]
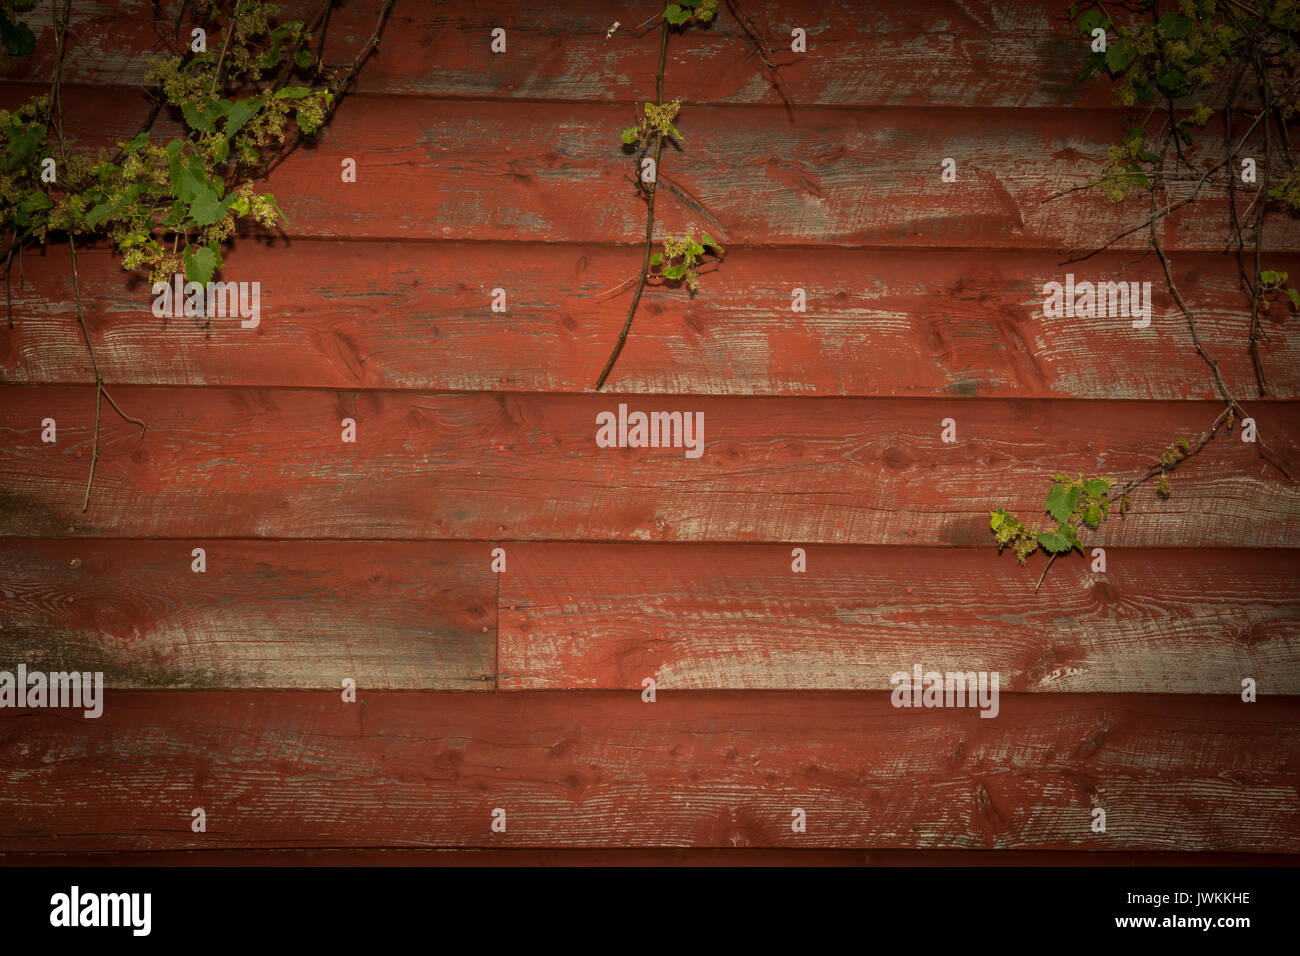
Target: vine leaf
[
  {"x": 1061, "y": 540},
  {"x": 201, "y": 264},
  {"x": 105, "y": 209},
  {"x": 200, "y": 116},
  {"x": 1061, "y": 501},
  {"x": 1174, "y": 26},
  {"x": 241, "y": 111},
  {"x": 187, "y": 176},
  {"x": 1118, "y": 57},
  {"x": 17, "y": 38},
  {"x": 208, "y": 209},
  {"x": 1097, "y": 487},
  {"x": 1090, "y": 20}
]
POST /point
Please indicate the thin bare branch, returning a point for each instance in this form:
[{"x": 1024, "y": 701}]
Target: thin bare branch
[{"x": 764, "y": 50}]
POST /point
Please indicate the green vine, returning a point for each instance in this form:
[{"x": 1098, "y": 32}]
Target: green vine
[
  {"x": 168, "y": 207},
  {"x": 701, "y": 11},
  {"x": 243, "y": 100},
  {"x": 678, "y": 260},
  {"x": 1237, "y": 60},
  {"x": 1072, "y": 503}
]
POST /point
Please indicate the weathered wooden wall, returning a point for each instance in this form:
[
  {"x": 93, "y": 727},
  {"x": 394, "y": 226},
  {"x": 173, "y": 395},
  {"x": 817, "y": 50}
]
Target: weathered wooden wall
[{"x": 475, "y": 431}]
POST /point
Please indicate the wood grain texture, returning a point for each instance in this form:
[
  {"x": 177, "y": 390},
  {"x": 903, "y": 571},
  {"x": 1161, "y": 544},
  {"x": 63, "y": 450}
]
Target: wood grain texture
[
  {"x": 720, "y": 617},
  {"x": 650, "y": 856},
  {"x": 417, "y": 316},
  {"x": 371, "y": 560},
  {"x": 695, "y": 770},
  {"x": 263, "y": 615},
  {"x": 1012, "y": 53},
  {"x": 403, "y": 615},
  {"x": 557, "y": 172},
  {"x": 270, "y": 463}
]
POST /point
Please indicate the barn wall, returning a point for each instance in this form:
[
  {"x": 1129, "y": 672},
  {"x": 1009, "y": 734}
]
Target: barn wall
[{"x": 521, "y": 690}]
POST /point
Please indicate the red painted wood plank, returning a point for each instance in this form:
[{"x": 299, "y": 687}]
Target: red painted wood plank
[
  {"x": 293, "y": 769},
  {"x": 730, "y": 617},
  {"x": 557, "y": 172},
  {"x": 222, "y": 462},
  {"x": 650, "y": 856},
  {"x": 401, "y": 615},
  {"x": 943, "y": 52},
  {"x": 264, "y": 614},
  {"x": 417, "y": 315}
]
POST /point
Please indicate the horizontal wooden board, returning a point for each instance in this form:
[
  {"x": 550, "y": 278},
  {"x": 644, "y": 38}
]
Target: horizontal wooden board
[
  {"x": 883, "y": 323},
  {"x": 942, "y": 52},
  {"x": 220, "y": 462},
  {"x": 726, "y": 617},
  {"x": 558, "y": 172},
  {"x": 386, "y": 614},
  {"x": 649, "y": 856},
  {"x": 293, "y": 769},
  {"x": 401, "y": 615}
]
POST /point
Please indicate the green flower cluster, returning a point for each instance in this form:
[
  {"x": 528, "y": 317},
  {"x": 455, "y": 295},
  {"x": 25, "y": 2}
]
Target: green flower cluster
[
  {"x": 655, "y": 120},
  {"x": 1073, "y": 502},
  {"x": 679, "y": 258},
  {"x": 680, "y": 11}
]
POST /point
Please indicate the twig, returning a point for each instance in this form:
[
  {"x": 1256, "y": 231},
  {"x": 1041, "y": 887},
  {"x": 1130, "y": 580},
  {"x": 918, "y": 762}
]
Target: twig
[
  {"x": 345, "y": 82},
  {"x": 1210, "y": 360},
  {"x": 1123, "y": 491},
  {"x": 9, "y": 295},
  {"x": 180, "y": 14},
  {"x": 1231, "y": 406},
  {"x": 616, "y": 288},
  {"x": 649, "y": 219},
  {"x": 1258, "y": 238},
  {"x": 320, "y": 35},
  {"x": 1169, "y": 208},
  {"x": 686, "y": 196},
  {"x": 56, "y": 105},
  {"x": 18, "y": 240},
  {"x": 216, "y": 73},
  {"x": 319, "y": 15},
  {"x": 100, "y": 390},
  {"x": 764, "y": 51},
  {"x": 1074, "y": 189},
  {"x": 363, "y": 54},
  {"x": 158, "y": 99},
  {"x": 1116, "y": 237},
  {"x": 1050, "y": 561}
]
